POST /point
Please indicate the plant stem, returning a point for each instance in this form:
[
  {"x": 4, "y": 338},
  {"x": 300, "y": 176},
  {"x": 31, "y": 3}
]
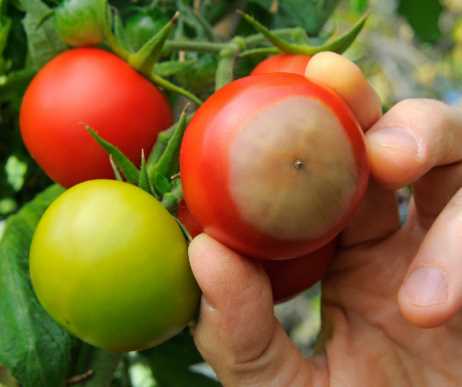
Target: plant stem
[
  {"x": 166, "y": 84},
  {"x": 225, "y": 69},
  {"x": 296, "y": 33},
  {"x": 192, "y": 45}
]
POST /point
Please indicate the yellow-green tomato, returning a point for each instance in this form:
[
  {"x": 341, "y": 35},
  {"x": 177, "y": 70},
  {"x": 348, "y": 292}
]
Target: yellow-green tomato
[{"x": 110, "y": 264}]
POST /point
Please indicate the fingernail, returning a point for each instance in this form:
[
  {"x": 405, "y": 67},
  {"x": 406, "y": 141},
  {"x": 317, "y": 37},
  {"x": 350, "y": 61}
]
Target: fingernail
[
  {"x": 395, "y": 140},
  {"x": 426, "y": 286}
]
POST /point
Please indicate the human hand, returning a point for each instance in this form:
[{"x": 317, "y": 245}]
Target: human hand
[{"x": 387, "y": 283}]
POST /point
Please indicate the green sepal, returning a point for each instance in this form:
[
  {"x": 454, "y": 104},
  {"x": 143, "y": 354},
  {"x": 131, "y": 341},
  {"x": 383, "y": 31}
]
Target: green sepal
[
  {"x": 160, "y": 145},
  {"x": 145, "y": 58},
  {"x": 163, "y": 161},
  {"x": 129, "y": 170},
  {"x": 144, "y": 182},
  {"x": 173, "y": 198},
  {"x": 116, "y": 171},
  {"x": 338, "y": 45}
]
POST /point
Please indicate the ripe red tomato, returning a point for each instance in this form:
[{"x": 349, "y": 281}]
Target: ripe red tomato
[
  {"x": 273, "y": 165},
  {"x": 89, "y": 86},
  {"x": 288, "y": 277},
  {"x": 282, "y": 63}
]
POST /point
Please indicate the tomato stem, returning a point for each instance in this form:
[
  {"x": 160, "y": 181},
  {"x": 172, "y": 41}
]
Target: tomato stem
[
  {"x": 295, "y": 34},
  {"x": 225, "y": 70},
  {"x": 166, "y": 84}
]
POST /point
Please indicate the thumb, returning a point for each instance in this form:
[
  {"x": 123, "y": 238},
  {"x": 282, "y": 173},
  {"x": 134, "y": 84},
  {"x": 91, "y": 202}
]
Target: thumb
[{"x": 237, "y": 332}]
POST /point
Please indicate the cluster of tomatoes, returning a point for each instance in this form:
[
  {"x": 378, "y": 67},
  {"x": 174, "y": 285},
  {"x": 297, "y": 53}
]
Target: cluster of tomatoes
[{"x": 272, "y": 165}]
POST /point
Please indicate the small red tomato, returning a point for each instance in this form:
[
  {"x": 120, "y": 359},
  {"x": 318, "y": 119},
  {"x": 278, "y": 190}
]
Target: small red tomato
[
  {"x": 290, "y": 277},
  {"x": 187, "y": 220},
  {"x": 89, "y": 86},
  {"x": 273, "y": 165},
  {"x": 282, "y": 63}
]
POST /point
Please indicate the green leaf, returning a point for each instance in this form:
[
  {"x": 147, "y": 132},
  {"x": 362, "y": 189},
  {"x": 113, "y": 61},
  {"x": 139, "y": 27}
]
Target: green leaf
[
  {"x": 122, "y": 162},
  {"x": 32, "y": 345},
  {"x": 266, "y": 4},
  {"x": 16, "y": 170},
  {"x": 359, "y": 6},
  {"x": 43, "y": 40},
  {"x": 171, "y": 363},
  {"x": 309, "y": 14},
  {"x": 202, "y": 27},
  {"x": 5, "y": 27},
  {"x": 423, "y": 16}
]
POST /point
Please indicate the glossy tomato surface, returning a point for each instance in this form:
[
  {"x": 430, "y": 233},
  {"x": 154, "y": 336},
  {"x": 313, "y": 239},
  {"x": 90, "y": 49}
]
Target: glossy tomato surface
[
  {"x": 273, "y": 165},
  {"x": 110, "y": 264},
  {"x": 89, "y": 86},
  {"x": 282, "y": 63},
  {"x": 288, "y": 277}
]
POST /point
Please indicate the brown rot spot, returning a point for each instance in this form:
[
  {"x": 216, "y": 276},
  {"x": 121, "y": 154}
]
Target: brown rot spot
[{"x": 269, "y": 161}]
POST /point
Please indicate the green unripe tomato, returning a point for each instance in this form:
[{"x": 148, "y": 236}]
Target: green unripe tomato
[
  {"x": 110, "y": 264},
  {"x": 81, "y": 22},
  {"x": 143, "y": 26}
]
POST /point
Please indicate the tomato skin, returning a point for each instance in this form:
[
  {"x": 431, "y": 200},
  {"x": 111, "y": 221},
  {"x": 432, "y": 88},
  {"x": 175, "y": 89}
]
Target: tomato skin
[
  {"x": 89, "y": 86},
  {"x": 282, "y": 63},
  {"x": 288, "y": 277},
  {"x": 188, "y": 221},
  {"x": 205, "y": 162},
  {"x": 110, "y": 264}
]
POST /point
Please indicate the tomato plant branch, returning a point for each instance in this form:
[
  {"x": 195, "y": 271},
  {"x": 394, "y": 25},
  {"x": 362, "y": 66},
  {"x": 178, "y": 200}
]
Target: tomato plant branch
[
  {"x": 225, "y": 69},
  {"x": 166, "y": 84},
  {"x": 296, "y": 34}
]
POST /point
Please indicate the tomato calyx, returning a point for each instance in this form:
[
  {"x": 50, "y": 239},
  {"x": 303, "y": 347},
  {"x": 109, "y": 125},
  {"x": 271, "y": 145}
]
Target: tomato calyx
[
  {"x": 337, "y": 44},
  {"x": 159, "y": 174}
]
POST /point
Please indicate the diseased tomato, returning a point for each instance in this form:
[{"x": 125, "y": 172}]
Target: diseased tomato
[
  {"x": 289, "y": 277},
  {"x": 273, "y": 166},
  {"x": 282, "y": 63},
  {"x": 89, "y": 86},
  {"x": 110, "y": 264}
]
